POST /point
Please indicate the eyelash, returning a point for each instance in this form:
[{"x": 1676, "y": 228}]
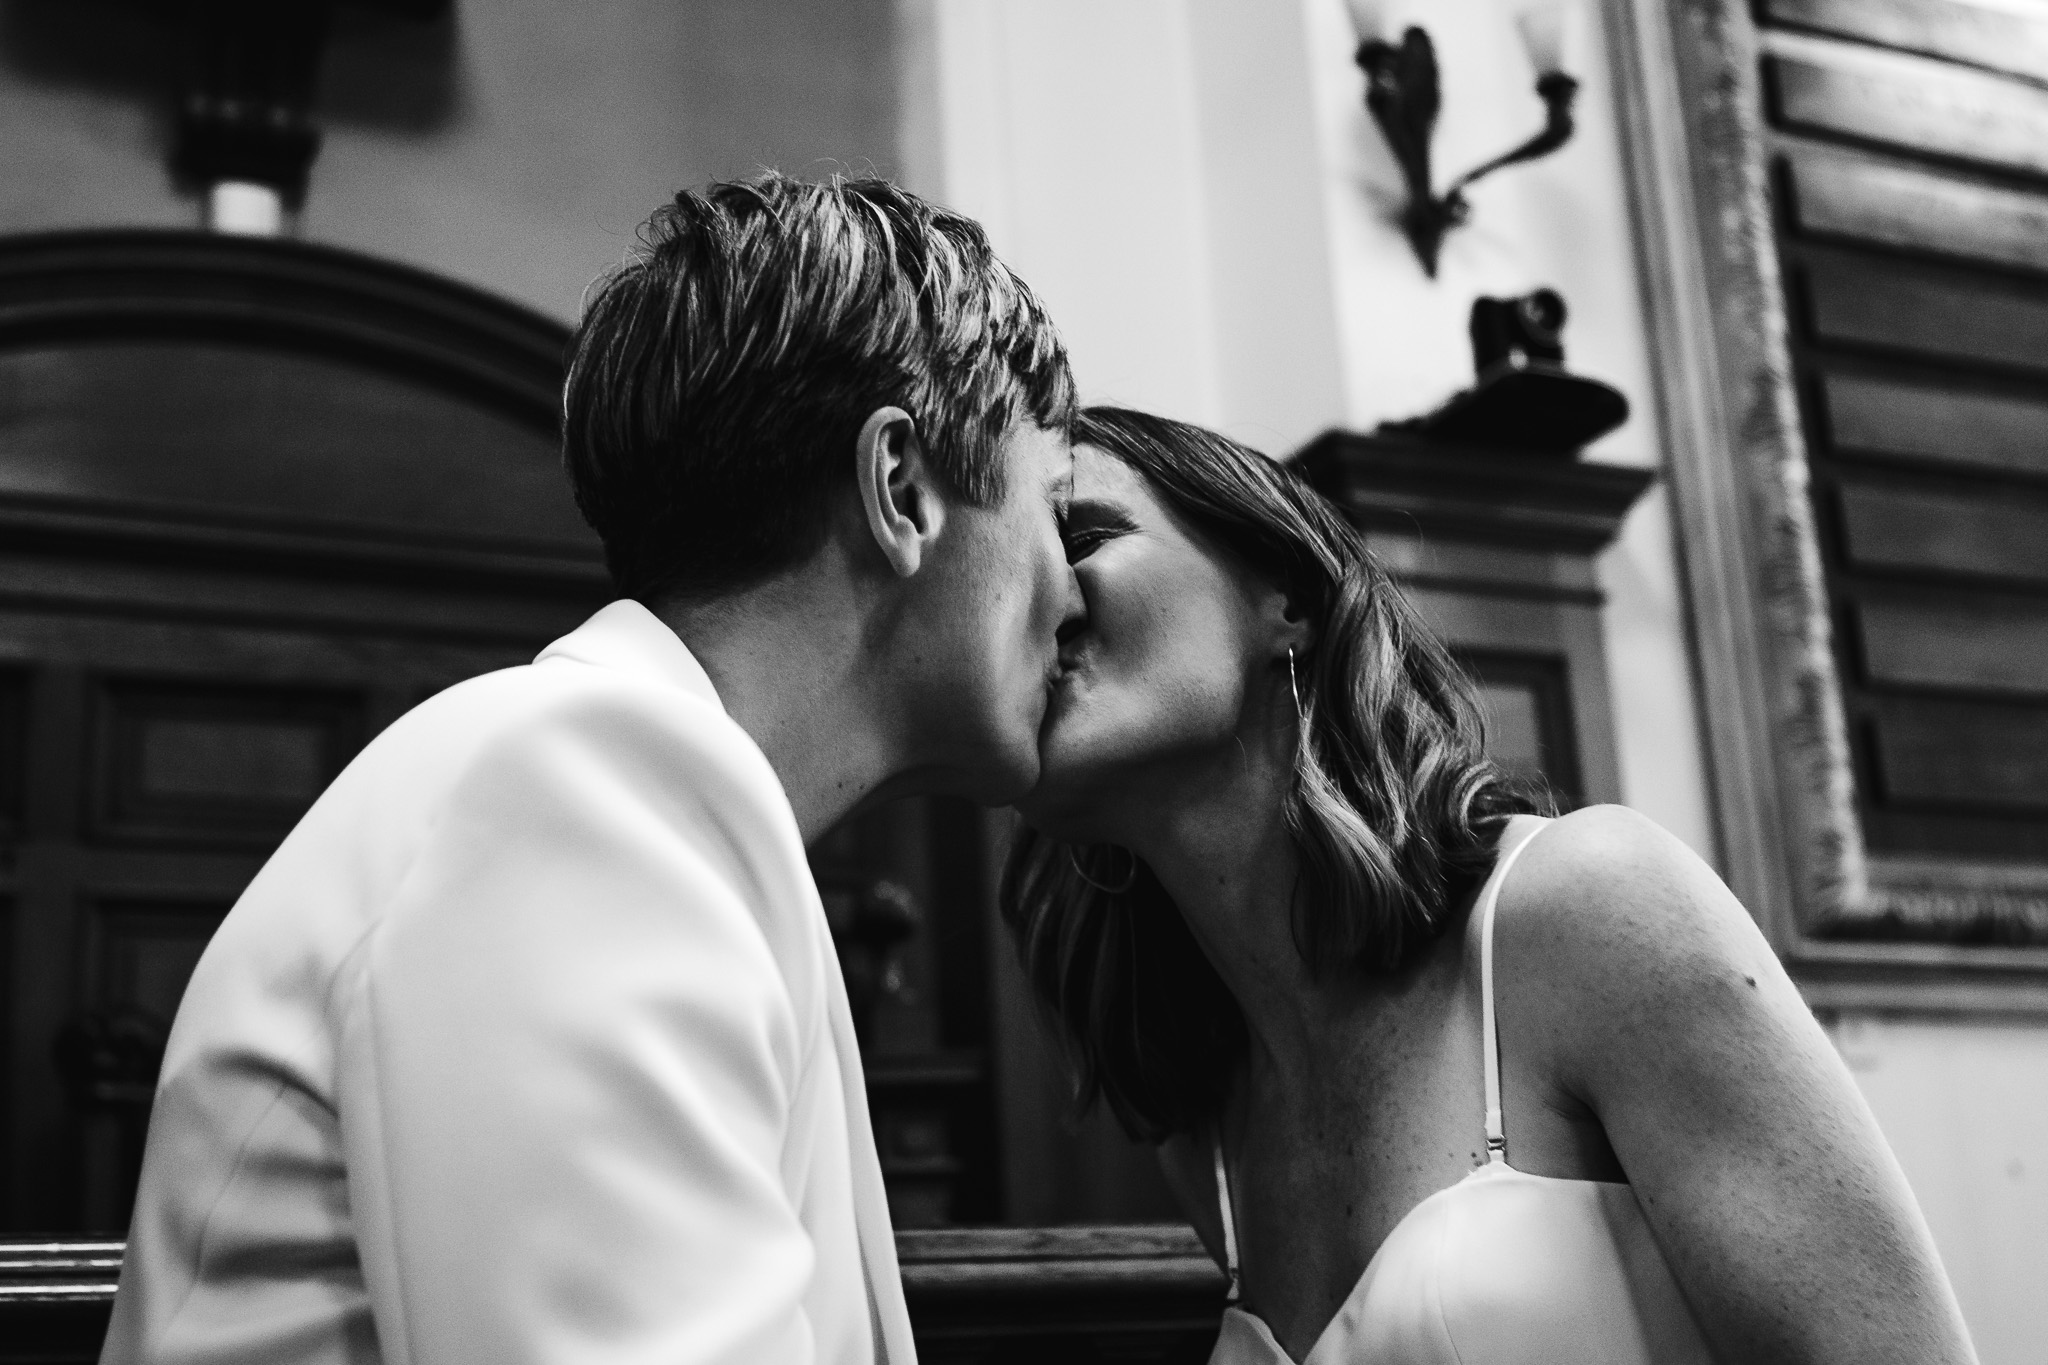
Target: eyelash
[{"x": 1081, "y": 544}]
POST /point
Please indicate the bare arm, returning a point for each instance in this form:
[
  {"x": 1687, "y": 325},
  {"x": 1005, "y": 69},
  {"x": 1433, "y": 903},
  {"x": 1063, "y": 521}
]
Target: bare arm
[{"x": 1780, "y": 1207}]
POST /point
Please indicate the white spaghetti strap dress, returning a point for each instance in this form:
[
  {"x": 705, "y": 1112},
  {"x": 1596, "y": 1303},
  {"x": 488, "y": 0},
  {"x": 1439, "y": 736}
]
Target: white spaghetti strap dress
[{"x": 1502, "y": 1268}]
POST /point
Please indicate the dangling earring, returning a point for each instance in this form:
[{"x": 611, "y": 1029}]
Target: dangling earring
[
  {"x": 1293, "y": 683},
  {"x": 1129, "y": 882}
]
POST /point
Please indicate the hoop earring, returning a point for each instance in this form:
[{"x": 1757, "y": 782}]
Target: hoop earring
[
  {"x": 1079, "y": 871},
  {"x": 1293, "y": 685}
]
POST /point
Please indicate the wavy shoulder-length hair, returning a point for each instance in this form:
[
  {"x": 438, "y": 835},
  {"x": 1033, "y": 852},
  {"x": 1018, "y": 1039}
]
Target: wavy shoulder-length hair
[{"x": 1393, "y": 809}]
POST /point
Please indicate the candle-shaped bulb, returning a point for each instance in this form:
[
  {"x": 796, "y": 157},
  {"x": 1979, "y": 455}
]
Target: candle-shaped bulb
[
  {"x": 1368, "y": 19},
  {"x": 1542, "y": 27}
]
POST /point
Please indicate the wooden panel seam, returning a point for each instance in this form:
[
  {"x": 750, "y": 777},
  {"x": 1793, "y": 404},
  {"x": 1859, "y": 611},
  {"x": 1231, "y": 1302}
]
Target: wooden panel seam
[
  {"x": 1991, "y": 36},
  {"x": 1942, "y": 111}
]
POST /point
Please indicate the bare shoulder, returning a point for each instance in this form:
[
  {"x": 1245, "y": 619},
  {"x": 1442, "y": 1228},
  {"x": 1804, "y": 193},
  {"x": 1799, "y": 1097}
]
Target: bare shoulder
[
  {"x": 1618, "y": 926},
  {"x": 1618, "y": 889}
]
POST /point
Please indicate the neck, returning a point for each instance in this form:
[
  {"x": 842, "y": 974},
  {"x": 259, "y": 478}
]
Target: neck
[
  {"x": 788, "y": 661},
  {"x": 1233, "y": 878}
]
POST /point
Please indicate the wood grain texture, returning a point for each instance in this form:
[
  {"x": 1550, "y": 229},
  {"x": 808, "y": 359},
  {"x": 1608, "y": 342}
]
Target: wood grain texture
[
  {"x": 1994, "y": 36},
  {"x": 1921, "y": 422},
  {"x": 13, "y": 747},
  {"x": 1981, "y": 535},
  {"x": 1943, "y": 754},
  {"x": 1862, "y": 199},
  {"x": 1146, "y": 1295},
  {"x": 1982, "y": 648},
  {"x": 1916, "y": 312},
  {"x": 1939, "y": 110}
]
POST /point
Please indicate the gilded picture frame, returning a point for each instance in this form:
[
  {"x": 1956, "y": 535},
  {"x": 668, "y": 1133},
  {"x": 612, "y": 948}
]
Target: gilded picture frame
[{"x": 1859, "y": 930}]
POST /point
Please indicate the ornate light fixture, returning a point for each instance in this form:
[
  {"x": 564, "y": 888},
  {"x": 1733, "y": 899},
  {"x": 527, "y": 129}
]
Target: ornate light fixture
[{"x": 1403, "y": 97}]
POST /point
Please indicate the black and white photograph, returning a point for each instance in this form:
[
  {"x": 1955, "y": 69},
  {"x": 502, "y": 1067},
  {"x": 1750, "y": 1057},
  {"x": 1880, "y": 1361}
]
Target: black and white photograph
[{"x": 1103, "y": 682}]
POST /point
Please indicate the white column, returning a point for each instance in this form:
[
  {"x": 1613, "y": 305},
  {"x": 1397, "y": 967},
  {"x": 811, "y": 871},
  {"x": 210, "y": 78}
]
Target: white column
[{"x": 1148, "y": 166}]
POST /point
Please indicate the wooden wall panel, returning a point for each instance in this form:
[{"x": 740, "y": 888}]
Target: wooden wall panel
[
  {"x": 142, "y": 952},
  {"x": 1936, "y": 110},
  {"x": 1994, "y": 35},
  {"x": 219, "y": 764},
  {"x": 140, "y": 424},
  {"x": 1929, "y": 313},
  {"x": 1963, "y": 756},
  {"x": 1834, "y": 194},
  {"x": 1952, "y": 646},
  {"x": 1527, "y": 700},
  {"x": 1960, "y": 429},
  {"x": 13, "y": 747},
  {"x": 1946, "y": 533}
]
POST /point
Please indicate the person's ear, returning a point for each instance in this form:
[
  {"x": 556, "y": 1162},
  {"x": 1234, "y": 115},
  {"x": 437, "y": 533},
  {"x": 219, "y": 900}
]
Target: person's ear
[
  {"x": 1284, "y": 624},
  {"x": 898, "y": 492}
]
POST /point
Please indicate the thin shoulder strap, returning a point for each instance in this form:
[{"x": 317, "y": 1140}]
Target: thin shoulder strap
[
  {"x": 1496, "y": 1135},
  {"x": 1229, "y": 1221}
]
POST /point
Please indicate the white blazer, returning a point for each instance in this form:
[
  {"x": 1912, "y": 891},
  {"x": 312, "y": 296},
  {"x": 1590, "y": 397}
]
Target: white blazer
[{"x": 528, "y": 1045}]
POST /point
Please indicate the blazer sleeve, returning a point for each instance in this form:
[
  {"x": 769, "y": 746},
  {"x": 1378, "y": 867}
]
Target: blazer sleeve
[{"x": 569, "y": 1055}]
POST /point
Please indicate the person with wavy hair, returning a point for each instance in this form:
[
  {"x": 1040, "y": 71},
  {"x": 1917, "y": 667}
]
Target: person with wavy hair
[{"x": 1438, "y": 1075}]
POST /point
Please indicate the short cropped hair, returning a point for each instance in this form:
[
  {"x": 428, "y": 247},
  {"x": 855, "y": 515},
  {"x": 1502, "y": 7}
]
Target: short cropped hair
[
  {"x": 720, "y": 376},
  {"x": 1393, "y": 810}
]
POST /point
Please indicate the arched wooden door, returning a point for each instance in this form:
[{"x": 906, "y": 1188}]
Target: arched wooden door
[{"x": 256, "y": 500}]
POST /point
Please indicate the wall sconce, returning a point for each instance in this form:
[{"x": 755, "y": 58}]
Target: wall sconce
[
  {"x": 246, "y": 136},
  {"x": 1403, "y": 97}
]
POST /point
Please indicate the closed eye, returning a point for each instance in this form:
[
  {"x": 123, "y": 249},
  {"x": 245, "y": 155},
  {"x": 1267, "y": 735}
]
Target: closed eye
[
  {"x": 1089, "y": 524},
  {"x": 1081, "y": 544}
]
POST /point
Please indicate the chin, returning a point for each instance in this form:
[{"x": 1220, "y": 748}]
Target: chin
[
  {"x": 1010, "y": 782},
  {"x": 1014, "y": 767},
  {"x": 1059, "y": 803}
]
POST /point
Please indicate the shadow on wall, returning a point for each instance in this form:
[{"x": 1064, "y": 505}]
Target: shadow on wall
[{"x": 378, "y": 72}]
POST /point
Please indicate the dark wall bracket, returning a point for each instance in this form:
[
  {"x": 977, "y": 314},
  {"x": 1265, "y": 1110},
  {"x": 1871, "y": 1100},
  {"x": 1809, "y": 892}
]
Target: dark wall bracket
[
  {"x": 1404, "y": 97},
  {"x": 246, "y": 92}
]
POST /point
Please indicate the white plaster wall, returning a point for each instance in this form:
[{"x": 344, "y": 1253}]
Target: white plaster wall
[
  {"x": 517, "y": 150},
  {"x": 1562, "y": 222},
  {"x": 1964, "y": 1104},
  {"x": 1197, "y": 191},
  {"x": 1085, "y": 167}
]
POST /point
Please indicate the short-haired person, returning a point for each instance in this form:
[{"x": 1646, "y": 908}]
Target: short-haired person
[{"x": 529, "y": 1043}]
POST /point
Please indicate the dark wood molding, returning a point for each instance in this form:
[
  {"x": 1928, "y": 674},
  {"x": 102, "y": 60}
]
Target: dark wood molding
[
  {"x": 281, "y": 294},
  {"x": 353, "y": 325},
  {"x": 1033, "y": 1262},
  {"x": 1145, "y": 1293},
  {"x": 1536, "y": 502}
]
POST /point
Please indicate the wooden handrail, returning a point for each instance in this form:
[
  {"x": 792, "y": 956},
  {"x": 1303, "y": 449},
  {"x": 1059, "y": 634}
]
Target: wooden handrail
[{"x": 939, "y": 1262}]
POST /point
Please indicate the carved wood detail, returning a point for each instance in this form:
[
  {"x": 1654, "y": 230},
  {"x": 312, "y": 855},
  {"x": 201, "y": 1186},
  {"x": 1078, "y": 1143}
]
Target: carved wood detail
[{"x": 1874, "y": 902}]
